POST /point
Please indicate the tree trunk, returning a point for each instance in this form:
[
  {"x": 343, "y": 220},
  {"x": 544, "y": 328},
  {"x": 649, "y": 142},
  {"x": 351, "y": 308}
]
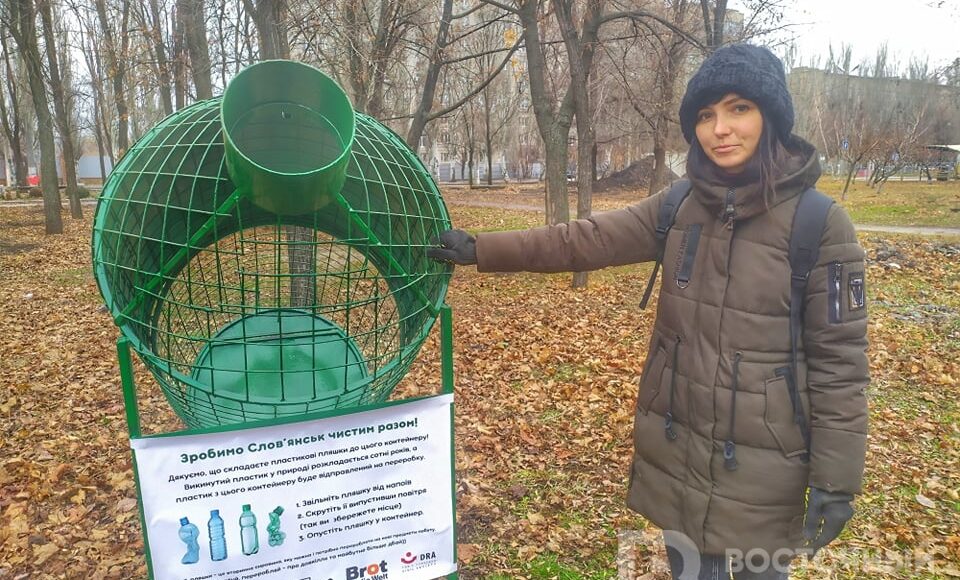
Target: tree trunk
[
  {"x": 555, "y": 156},
  {"x": 470, "y": 154},
  {"x": 553, "y": 124},
  {"x": 487, "y": 136},
  {"x": 101, "y": 128},
  {"x": 179, "y": 53},
  {"x": 195, "y": 34},
  {"x": 846, "y": 185},
  {"x": 269, "y": 17},
  {"x": 593, "y": 163},
  {"x": 669, "y": 72},
  {"x": 116, "y": 60},
  {"x": 382, "y": 48},
  {"x": 24, "y": 33},
  {"x": 98, "y": 135},
  {"x": 301, "y": 250},
  {"x": 661, "y": 136},
  {"x": 714, "y": 15},
  {"x": 580, "y": 57},
  {"x": 60, "y": 109},
  {"x": 12, "y": 124},
  {"x": 160, "y": 53},
  {"x": 420, "y": 114}
]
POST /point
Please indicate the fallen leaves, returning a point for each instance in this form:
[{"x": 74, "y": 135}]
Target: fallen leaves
[
  {"x": 925, "y": 501},
  {"x": 545, "y": 395},
  {"x": 60, "y": 446}
]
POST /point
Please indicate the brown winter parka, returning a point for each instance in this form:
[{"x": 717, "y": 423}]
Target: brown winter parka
[{"x": 719, "y": 358}]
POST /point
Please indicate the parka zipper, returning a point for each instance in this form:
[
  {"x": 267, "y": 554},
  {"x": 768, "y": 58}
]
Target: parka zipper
[
  {"x": 668, "y": 420},
  {"x": 730, "y": 210},
  {"x": 729, "y": 447},
  {"x": 833, "y": 291}
]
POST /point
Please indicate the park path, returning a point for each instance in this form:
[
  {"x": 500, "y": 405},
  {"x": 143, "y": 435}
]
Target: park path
[
  {"x": 919, "y": 230},
  {"x": 39, "y": 203},
  {"x": 916, "y": 230}
]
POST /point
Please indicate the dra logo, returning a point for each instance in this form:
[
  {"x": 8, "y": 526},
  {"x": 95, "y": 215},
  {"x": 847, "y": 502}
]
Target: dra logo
[{"x": 413, "y": 561}]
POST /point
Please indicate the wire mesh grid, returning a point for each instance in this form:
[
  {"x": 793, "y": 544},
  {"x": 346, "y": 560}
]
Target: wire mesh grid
[{"x": 242, "y": 314}]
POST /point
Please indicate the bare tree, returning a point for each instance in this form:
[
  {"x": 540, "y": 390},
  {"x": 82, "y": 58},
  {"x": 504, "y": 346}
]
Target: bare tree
[
  {"x": 580, "y": 48},
  {"x": 489, "y": 57},
  {"x": 153, "y": 21},
  {"x": 117, "y": 62},
  {"x": 553, "y": 108},
  {"x": 23, "y": 30},
  {"x": 179, "y": 57},
  {"x": 714, "y": 14},
  {"x": 11, "y": 118},
  {"x": 270, "y": 17},
  {"x": 57, "y": 89},
  {"x": 420, "y": 114},
  {"x": 191, "y": 13}
]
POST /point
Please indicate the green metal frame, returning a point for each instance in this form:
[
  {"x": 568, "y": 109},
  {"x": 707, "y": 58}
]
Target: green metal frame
[{"x": 275, "y": 200}]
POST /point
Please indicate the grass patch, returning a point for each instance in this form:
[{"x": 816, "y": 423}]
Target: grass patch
[
  {"x": 72, "y": 277},
  {"x": 549, "y": 566},
  {"x": 900, "y": 203},
  {"x": 550, "y": 416}
]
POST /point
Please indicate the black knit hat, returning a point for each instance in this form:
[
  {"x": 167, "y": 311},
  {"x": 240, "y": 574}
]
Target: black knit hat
[{"x": 753, "y": 72}]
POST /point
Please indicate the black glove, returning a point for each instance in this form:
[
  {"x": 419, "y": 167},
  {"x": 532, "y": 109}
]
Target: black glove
[
  {"x": 827, "y": 513},
  {"x": 456, "y": 246}
]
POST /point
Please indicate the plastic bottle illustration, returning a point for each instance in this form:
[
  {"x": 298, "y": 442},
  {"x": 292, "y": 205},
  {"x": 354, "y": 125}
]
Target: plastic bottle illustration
[
  {"x": 273, "y": 528},
  {"x": 218, "y": 543},
  {"x": 248, "y": 531},
  {"x": 189, "y": 534}
]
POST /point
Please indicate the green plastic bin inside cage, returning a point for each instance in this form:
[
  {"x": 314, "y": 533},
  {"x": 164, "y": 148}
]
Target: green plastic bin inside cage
[{"x": 264, "y": 253}]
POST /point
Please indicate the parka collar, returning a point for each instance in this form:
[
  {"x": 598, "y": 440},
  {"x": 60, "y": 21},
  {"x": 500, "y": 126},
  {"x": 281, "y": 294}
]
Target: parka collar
[{"x": 711, "y": 187}]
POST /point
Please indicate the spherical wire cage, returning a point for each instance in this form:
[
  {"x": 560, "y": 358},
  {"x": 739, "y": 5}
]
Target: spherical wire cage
[{"x": 264, "y": 253}]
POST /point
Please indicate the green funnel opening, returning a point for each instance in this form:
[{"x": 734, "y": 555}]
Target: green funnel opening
[{"x": 288, "y": 130}]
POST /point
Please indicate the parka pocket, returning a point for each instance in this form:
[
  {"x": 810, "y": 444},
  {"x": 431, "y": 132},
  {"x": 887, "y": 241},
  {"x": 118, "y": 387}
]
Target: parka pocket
[
  {"x": 778, "y": 416},
  {"x": 846, "y": 292},
  {"x": 651, "y": 380}
]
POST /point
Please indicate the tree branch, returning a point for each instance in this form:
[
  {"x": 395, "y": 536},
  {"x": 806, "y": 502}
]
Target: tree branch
[
  {"x": 642, "y": 15},
  {"x": 480, "y": 87}
]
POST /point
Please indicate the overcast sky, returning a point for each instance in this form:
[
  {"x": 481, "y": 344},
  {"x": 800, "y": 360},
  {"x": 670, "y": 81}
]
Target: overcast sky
[{"x": 911, "y": 28}]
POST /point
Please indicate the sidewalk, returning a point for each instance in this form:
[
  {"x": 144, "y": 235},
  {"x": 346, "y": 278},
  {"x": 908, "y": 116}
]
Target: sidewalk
[{"x": 39, "y": 203}]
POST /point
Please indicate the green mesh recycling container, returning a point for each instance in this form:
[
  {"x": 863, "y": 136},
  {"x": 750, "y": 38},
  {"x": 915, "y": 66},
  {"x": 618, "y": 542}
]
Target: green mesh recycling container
[{"x": 264, "y": 252}]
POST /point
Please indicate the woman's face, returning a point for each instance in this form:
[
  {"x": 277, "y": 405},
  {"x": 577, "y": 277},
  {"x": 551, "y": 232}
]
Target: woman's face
[{"x": 729, "y": 131}]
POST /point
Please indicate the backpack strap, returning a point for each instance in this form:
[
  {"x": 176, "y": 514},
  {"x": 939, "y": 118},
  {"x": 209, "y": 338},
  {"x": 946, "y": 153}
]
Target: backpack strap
[
  {"x": 668, "y": 213},
  {"x": 809, "y": 223}
]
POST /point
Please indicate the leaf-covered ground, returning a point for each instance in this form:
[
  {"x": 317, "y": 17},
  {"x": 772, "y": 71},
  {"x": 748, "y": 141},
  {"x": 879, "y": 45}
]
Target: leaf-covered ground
[{"x": 545, "y": 392}]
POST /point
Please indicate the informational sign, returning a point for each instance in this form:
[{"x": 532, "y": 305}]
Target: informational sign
[{"x": 366, "y": 495}]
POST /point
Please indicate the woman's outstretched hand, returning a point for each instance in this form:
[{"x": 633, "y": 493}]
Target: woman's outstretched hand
[{"x": 455, "y": 247}]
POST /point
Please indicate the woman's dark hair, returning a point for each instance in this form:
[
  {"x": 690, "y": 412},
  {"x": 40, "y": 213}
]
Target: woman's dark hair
[
  {"x": 766, "y": 164},
  {"x": 772, "y": 155}
]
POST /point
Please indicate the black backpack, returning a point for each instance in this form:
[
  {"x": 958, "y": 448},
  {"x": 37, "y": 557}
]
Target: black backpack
[{"x": 809, "y": 221}]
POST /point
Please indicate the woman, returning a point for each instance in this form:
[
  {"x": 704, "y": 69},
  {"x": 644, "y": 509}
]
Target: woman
[{"x": 720, "y": 463}]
